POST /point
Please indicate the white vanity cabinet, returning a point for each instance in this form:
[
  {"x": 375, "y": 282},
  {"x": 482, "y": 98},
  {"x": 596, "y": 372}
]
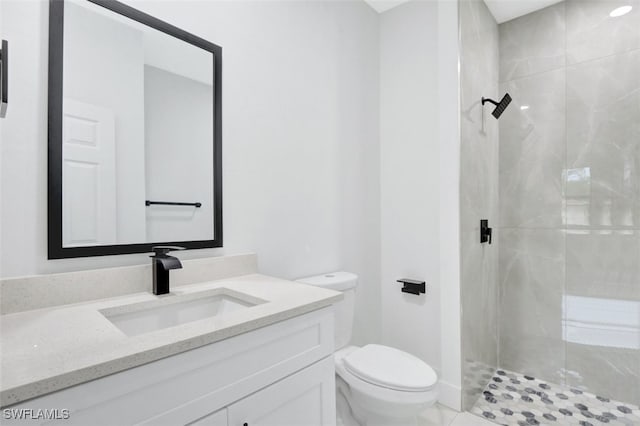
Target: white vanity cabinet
[
  {"x": 277, "y": 375},
  {"x": 304, "y": 398}
]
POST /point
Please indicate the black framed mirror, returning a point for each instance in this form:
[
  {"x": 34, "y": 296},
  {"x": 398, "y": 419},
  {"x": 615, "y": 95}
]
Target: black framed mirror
[{"x": 134, "y": 134}]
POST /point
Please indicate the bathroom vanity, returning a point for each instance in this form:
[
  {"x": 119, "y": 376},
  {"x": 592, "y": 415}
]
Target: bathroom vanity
[{"x": 241, "y": 350}]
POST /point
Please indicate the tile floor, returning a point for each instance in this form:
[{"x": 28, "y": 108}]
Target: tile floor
[
  {"x": 439, "y": 415},
  {"x": 516, "y": 400}
]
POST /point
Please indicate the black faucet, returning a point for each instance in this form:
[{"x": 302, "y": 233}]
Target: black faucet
[{"x": 162, "y": 263}]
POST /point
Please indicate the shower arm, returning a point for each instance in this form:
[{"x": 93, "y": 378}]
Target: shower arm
[{"x": 484, "y": 100}]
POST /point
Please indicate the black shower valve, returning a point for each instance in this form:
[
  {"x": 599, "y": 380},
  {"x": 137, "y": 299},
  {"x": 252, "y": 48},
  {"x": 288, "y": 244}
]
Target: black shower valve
[{"x": 486, "y": 233}]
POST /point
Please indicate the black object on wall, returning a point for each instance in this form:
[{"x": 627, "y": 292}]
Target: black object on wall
[
  {"x": 412, "y": 286},
  {"x": 500, "y": 106},
  {"x": 171, "y": 203},
  {"x": 486, "y": 233},
  {"x": 56, "y": 250},
  {"x": 4, "y": 78}
]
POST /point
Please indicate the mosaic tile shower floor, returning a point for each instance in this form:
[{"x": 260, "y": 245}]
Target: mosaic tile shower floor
[{"x": 516, "y": 400}]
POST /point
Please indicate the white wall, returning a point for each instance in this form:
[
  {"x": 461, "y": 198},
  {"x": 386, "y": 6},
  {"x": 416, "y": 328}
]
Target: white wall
[
  {"x": 419, "y": 167},
  {"x": 23, "y": 204},
  {"x": 409, "y": 169},
  {"x": 449, "y": 204},
  {"x": 300, "y": 138}
]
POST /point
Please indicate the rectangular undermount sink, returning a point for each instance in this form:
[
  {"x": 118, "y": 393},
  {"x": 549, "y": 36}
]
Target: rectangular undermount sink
[{"x": 174, "y": 310}]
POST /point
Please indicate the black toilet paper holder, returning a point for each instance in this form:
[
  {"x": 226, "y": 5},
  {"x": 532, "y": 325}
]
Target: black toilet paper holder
[{"x": 412, "y": 286}]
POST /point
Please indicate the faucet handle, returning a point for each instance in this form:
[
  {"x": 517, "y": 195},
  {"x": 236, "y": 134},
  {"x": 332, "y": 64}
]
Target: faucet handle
[{"x": 163, "y": 250}]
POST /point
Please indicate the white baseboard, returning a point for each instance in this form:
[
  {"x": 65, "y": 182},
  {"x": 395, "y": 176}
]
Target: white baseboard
[{"x": 450, "y": 396}]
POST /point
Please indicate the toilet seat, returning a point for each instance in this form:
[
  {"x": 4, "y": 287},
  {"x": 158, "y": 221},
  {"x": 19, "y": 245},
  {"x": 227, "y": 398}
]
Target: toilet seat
[
  {"x": 376, "y": 392},
  {"x": 390, "y": 368}
]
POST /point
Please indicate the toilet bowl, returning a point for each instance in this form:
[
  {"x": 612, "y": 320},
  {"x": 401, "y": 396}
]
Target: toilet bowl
[
  {"x": 376, "y": 385},
  {"x": 381, "y": 387}
]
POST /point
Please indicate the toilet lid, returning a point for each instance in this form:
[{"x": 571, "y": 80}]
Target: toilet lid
[{"x": 390, "y": 368}]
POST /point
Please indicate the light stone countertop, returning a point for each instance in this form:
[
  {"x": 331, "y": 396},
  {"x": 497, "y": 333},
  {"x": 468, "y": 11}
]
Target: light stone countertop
[{"x": 49, "y": 349}]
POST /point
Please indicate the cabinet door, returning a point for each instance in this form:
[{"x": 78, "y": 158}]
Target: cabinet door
[{"x": 304, "y": 398}]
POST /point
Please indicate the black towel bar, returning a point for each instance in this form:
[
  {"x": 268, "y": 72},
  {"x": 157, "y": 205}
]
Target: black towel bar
[{"x": 171, "y": 203}]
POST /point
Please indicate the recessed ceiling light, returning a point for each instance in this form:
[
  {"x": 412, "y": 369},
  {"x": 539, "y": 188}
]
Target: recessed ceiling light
[
  {"x": 523, "y": 107},
  {"x": 623, "y": 10}
]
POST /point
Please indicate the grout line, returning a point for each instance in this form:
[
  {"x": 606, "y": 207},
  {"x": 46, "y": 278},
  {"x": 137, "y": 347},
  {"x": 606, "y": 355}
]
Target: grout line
[{"x": 567, "y": 65}]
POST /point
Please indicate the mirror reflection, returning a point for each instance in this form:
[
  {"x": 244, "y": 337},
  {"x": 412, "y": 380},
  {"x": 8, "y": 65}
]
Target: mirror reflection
[{"x": 138, "y": 129}]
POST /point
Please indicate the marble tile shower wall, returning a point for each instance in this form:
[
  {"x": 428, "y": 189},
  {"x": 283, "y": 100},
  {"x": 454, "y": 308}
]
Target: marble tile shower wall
[
  {"x": 479, "y": 196},
  {"x": 569, "y": 196}
]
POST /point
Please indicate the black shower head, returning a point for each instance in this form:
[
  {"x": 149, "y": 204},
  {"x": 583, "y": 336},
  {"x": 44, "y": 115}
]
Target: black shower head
[{"x": 500, "y": 106}]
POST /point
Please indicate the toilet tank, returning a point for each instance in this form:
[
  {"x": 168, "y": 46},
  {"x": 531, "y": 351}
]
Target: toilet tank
[{"x": 346, "y": 283}]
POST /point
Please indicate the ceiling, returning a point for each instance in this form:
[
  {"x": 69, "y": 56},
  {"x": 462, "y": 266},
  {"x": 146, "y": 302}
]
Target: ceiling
[
  {"x": 502, "y": 10},
  {"x": 384, "y": 5},
  {"x": 506, "y": 10}
]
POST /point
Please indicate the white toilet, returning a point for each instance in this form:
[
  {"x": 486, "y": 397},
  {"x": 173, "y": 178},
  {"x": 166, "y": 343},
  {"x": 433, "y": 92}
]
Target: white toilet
[{"x": 375, "y": 385}]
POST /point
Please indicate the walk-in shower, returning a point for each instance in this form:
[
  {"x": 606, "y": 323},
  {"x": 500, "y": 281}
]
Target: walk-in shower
[{"x": 551, "y": 309}]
